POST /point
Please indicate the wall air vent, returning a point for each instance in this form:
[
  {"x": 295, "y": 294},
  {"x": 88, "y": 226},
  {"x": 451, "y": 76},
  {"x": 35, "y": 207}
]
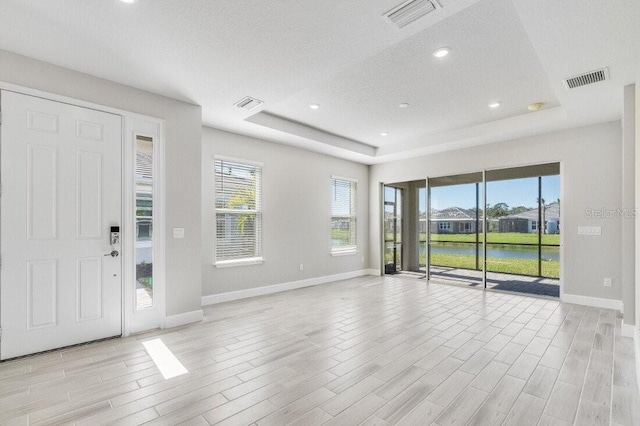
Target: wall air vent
[
  {"x": 587, "y": 78},
  {"x": 410, "y": 11},
  {"x": 248, "y": 103}
]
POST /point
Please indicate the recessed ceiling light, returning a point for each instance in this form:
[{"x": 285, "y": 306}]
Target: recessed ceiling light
[
  {"x": 535, "y": 106},
  {"x": 403, "y": 105},
  {"x": 128, "y": 1},
  {"x": 494, "y": 104},
  {"x": 441, "y": 52},
  {"x": 384, "y": 133},
  {"x": 314, "y": 106}
]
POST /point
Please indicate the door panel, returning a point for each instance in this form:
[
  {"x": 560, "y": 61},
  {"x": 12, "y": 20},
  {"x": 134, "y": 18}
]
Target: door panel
[
  {"x": 42, "y": 290},
  {"x": 42, "y": 184},
  {"x": 89, "y": 288},
  {"x": 61, "y": 179},
  {"x": 89, "y": 195}
]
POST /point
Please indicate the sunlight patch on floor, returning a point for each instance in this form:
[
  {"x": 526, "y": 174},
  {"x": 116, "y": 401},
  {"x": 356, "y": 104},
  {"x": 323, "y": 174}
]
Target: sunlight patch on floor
[{"x": 164, "y": 359}]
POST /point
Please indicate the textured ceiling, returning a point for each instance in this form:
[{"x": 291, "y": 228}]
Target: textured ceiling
[
  {"x": 487, "y": 63},
  {"x": 345, "y": 56}
]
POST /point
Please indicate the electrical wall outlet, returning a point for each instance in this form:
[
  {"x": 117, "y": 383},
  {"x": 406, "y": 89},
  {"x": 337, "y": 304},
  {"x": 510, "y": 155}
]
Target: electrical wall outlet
[
  {"x": 589, "y": 230},
  {"x": 302, "y": 266},
  {"x": 607, "y": 282}
]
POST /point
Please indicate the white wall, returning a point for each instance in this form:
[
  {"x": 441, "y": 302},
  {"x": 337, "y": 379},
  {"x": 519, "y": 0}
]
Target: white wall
[
  {"x": 637, "y": 228},
  {"x": 637, "y": 223},
  {"x": 591, "y": 179},
  {"x": 296, "y": 214},
  {"x": 628, "y": 202},
  {"x": 183, "y": 126}
]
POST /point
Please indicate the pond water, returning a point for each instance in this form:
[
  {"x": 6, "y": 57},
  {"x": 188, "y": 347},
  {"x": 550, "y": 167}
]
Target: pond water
[{"x": 497, "y": 251}]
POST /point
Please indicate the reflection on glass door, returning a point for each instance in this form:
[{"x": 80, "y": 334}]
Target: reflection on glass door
[
  {"x": 392, "y": 230},
  {"x": 144, "y": 222}
]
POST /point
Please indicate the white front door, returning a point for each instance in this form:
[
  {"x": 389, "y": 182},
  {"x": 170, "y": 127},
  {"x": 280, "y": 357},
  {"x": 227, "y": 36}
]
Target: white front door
[{"x": 61, "y": 194}]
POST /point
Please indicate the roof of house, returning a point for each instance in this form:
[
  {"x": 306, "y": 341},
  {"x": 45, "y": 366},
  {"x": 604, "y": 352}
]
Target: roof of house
[
  {"x": 552, "y": 212},
  {"x": 453, "y": 213},
  {"x": 144, "y": 165}
]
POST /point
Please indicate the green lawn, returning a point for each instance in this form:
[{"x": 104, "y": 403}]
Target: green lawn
[
  {"x": 340, "y": 234},
  {"x": 389, "y": 237},
  {"x": 550, "y": 269},
  {"x": 497, "y": 237}
]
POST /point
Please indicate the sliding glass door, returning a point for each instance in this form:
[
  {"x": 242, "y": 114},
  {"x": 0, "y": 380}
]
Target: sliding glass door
[{"x": 505, "y": 237}]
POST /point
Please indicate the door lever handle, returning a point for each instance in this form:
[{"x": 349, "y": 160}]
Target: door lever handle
[{"x": 114, "y": 253}]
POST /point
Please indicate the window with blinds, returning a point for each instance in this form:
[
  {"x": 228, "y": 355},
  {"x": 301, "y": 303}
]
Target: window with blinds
[
  {"x": 238, "y": 200},
  {"x": 343, "y": 215}
]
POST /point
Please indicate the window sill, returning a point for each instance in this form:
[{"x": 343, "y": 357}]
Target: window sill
[
  {"x": 239, "y": 262},
  {"x": 344, "y": 252}
]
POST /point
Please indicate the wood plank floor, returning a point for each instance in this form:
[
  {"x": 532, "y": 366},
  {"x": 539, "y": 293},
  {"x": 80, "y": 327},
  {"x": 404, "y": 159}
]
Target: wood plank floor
[{"x": 370, "y": 351}]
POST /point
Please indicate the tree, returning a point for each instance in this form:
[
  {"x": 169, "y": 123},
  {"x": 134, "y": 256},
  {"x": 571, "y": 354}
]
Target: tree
[
  {"x": 244, "y": 198},
  {"x": 498, "y": 210},
  {"x": 518, "y": 210}
]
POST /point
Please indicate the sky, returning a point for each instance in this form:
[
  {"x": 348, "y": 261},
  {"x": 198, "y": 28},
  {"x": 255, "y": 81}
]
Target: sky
[{"x": 515, "y": 192}]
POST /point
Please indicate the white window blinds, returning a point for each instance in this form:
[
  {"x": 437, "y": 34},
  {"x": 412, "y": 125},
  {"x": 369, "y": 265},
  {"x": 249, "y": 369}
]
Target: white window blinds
[
  {"x": 238, "y": 200},
  {"x": 343, "y": 215}
]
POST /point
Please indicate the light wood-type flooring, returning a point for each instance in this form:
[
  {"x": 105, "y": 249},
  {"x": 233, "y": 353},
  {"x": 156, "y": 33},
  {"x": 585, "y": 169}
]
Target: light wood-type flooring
[{"x": 369, "y": 350}]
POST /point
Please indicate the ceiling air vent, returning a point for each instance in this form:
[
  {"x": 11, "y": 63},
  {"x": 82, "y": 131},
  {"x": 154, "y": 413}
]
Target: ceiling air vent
[
  {"x": 587, "y": 78},
  {"x": 410, "y": 11},
  {"x": 248, "y": 103}
]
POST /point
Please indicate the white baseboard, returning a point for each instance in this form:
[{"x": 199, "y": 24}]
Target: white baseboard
[
  {"x": 213, "y": 299},
  {"x": 183, "y": 319},
  {"x": 592, "y": 301},
  {"x": 374, "y": 272}
]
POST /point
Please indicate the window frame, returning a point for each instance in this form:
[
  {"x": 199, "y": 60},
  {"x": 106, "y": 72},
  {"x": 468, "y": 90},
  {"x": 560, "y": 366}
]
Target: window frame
[
  {"x": 258, "y": 211},
  {"x": 444, "y": 226},
  {"x": 352, "y": 216}
]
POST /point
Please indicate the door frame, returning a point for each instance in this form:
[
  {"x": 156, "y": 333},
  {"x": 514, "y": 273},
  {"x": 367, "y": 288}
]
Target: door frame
[
  {"x": 131, "y": 123},
  {"x": 395, "y": 227}
]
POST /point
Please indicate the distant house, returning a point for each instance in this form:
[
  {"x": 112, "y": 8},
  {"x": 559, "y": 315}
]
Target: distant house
[
  {"x": 454, "y": 220},
  {"x": 144, "y": 206},
  {"x": 527, "y": 222}
]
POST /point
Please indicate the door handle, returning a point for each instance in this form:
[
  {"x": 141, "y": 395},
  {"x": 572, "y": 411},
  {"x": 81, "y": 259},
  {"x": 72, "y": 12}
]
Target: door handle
[{"x": 114, "y": 253}]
